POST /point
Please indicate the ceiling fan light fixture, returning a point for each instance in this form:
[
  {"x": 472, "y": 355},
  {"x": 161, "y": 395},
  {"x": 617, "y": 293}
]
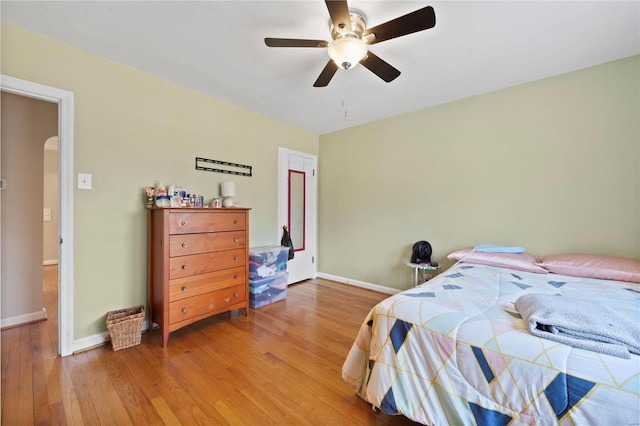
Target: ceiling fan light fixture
[
  {"x": 351, "y": 39},
  {"x": 347, "y": 52}
]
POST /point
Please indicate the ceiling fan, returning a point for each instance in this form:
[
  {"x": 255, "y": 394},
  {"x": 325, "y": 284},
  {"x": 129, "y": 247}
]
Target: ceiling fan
[{"x": 351, "y": 38}]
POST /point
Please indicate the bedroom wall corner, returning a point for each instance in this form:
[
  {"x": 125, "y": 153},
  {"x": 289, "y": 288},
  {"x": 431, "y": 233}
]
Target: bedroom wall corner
[{"x": 550, "y": 165}]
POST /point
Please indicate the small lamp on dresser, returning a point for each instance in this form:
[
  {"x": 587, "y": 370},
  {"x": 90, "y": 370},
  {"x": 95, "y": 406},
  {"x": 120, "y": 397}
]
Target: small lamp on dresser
[{"x": 227, "y": 191}]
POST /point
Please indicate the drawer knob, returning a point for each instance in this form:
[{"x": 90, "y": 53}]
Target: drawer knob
[
  {"x": 183, "y": 223},
  {"x": 235, "y": 240},
  {"x": 184, "y": 310},
  {"x": 235, "y": 221},
  {"x": 184, "y": 288},
  {"x": 184, "y": 245},
  {"x": 235, "y": 277},
  {"x": 235, "y": 258},
  {"x": 235, "y": 295},
  {"x": 184, "y": 266}
]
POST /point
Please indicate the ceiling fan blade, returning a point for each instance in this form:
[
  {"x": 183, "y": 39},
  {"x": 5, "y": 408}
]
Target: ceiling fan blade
[
  {"x": 421, "y": 19},
  {"x": 326, "y": 75},
  {"x": 339, "y": 12},
  {"x": 294, "y": 42},
  {"x": 380, "y": 68}
]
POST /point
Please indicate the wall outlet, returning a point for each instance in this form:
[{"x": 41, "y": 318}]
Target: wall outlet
[{"x": 84, "y": 181}]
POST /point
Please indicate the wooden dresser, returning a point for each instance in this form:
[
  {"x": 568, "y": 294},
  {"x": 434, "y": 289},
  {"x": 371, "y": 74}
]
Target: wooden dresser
[{"x": 198, "y": 264}]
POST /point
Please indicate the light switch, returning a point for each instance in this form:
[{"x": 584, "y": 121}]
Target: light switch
[
  {"x": 47, "y": 214},
  {"x": 84, "y": 181}
]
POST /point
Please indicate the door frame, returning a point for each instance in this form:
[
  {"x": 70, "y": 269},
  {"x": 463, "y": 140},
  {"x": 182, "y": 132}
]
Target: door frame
[
  {"x": 283, "y": 196},
  {"x": 64, "y": 100}
]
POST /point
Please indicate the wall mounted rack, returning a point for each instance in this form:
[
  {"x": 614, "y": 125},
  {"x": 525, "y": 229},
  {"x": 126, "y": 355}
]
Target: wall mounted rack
[{"x": 226, "y": 167}]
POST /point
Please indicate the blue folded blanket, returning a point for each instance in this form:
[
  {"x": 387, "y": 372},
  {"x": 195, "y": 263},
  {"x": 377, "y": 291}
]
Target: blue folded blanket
[
  {"x": 493, "y": 248},
  {"x": 580, "y": 323}
]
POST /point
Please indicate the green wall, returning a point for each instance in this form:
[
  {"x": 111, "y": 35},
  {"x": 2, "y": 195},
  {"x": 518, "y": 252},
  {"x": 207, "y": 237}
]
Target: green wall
[
  {"x": 551, "y": 165},
  {"x": 132, "y": 129}
]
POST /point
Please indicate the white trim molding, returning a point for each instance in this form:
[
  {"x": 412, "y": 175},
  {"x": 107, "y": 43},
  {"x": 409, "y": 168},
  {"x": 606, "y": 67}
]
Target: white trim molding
[
  {"x": 90, "y": 342},
  {"x": 64, "y": 100},
  {"x": 24, "y": 319},
  {"x": 363, "y": 284}
]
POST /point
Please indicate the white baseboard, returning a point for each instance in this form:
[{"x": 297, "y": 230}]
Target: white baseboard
[
  {"x": 50, "y": 262},
  {"x": 90, "y": 342},
  {"x": 363, "y": 284},
  {"x": 24, "y": 319},
  {"x": 96, "y": 340}
]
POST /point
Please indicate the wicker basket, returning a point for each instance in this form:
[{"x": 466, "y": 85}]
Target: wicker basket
[{"x": 125, "y": 327}]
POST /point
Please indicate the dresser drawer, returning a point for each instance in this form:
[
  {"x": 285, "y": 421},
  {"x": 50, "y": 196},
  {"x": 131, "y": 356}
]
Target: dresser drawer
[
  {"x": 185, "y": 309},
  {"x": 186, "y": 266},
  {"x": 182, "y": 245},
  {"x": 204, "y": 283},
  {"x": 197, "y": 222}
]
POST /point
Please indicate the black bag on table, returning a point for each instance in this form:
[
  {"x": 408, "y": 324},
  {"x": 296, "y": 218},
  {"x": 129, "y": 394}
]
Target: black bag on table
[{"x": 421, "y": 252}]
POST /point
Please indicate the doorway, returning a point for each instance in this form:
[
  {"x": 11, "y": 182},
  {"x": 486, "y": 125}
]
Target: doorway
[
  {"x": 297, "y": 209},
  {"x": 64, "y": 100},
  {"x": 50, "y": 237}
]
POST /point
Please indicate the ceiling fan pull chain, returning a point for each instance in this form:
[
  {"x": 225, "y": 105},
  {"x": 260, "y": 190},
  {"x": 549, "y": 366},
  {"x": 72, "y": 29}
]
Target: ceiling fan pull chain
[{"x": 344, "y": 108}]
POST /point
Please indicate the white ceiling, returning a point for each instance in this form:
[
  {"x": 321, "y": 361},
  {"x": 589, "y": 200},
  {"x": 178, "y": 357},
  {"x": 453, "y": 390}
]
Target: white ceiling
[{"x": 217, "y": 47}]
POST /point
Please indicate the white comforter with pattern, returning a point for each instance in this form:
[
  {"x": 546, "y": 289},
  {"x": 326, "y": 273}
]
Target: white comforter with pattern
[{"x": 456, "y": 351}]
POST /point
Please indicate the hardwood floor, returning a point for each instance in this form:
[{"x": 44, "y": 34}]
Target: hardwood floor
[{"x": 280, "y": 365}]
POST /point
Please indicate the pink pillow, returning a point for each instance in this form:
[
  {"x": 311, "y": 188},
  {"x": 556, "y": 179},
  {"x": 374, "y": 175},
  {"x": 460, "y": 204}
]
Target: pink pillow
[
  {"x": 592, "y": 266},
  {"x": 520, "y": 261}
]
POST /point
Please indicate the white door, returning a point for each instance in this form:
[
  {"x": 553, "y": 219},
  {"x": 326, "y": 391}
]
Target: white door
[{"x": 297, "y": 208}]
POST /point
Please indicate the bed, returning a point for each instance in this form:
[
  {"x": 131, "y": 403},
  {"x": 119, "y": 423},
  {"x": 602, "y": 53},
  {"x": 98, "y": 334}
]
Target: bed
[{"x": 455, "y": 350}]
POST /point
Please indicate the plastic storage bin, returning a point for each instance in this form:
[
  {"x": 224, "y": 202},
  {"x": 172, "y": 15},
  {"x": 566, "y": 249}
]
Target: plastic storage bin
[
  {"x": 266, "y": 261},
  {"x": 265, "y": 291}
]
